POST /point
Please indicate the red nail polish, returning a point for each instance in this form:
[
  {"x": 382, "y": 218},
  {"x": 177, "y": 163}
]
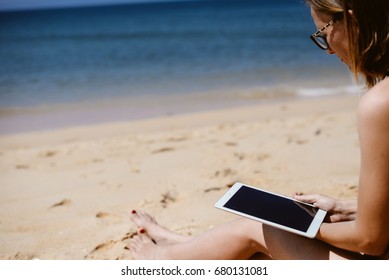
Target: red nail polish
[
  {"x": 142, "y": 230},
  {"x": 133, "y": 212}
]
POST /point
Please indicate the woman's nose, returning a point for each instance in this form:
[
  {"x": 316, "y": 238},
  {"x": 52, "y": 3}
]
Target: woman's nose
[{"x": 330, "y": 51}]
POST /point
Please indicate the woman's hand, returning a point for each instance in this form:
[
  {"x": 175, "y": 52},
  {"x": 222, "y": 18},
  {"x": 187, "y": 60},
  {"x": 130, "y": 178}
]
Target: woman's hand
[{"x": 337, "y": 211}]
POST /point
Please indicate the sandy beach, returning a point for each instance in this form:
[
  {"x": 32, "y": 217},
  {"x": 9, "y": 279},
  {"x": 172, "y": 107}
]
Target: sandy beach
[{"x": 68, "y": 193}]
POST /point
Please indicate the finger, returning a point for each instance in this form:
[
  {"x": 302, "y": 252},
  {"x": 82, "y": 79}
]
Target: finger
[{"x": 308, "y": 198}]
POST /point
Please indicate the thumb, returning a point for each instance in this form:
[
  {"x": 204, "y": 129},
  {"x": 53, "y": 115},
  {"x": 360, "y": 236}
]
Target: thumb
[{"x": 307, "y": 198}]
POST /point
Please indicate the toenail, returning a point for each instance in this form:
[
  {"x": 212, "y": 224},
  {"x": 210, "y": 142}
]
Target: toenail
[
  {"x": 133, "y": 212},
  {"x": 142, "y": 230}
]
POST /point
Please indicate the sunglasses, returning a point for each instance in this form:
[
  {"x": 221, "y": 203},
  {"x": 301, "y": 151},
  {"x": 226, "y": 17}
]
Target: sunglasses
[{"x": 321, "y": 40}]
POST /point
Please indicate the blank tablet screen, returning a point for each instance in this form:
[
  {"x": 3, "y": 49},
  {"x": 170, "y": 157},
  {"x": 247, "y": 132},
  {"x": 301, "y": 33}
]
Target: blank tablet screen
[{"x": 272, "y": 208}]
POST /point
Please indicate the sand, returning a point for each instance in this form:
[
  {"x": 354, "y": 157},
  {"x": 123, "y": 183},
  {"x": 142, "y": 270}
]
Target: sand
[{"x": 68, "y": 193}]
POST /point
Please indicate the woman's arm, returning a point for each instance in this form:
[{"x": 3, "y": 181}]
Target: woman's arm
[{"x": 369, "y": 232}]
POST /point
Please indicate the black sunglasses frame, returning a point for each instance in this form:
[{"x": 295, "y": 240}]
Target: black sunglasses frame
[{"x": 317, "y": 34}]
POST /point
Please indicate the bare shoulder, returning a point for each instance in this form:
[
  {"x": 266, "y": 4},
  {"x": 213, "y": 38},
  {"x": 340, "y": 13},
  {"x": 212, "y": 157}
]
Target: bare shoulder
[{"x": 374, "y": 105}]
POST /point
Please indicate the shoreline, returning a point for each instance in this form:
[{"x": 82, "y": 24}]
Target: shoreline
[
  {"x": 273, "y": 108},
  {"x": 122, "y": 109},
  {"x": 67, "y": 193}
]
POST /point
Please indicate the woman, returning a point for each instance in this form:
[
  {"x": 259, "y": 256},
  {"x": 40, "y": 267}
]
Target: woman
[{"x": 357, "y": 32}]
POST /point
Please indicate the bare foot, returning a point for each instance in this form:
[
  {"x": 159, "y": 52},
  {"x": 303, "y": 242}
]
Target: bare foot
[
  {"x": 157, "y": 233},
  {"x": 143, "y": 248}
]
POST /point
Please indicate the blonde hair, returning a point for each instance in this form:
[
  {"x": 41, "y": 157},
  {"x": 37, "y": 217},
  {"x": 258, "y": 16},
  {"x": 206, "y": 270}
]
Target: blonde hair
[
  {"x": 367, "y": 24},
  {"x": 330, "y": 7}
]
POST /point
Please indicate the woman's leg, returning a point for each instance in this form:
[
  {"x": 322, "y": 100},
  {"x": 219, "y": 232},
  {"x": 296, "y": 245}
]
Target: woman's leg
[
  {"x": 234, "y": 240},
  {"x": 239, "y": 239}
]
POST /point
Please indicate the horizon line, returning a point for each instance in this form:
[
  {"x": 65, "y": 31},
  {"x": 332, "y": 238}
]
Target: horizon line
[{"x": 22, "y": 8}]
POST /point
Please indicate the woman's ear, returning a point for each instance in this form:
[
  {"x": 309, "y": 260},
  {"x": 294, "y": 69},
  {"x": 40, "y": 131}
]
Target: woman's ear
[{"x": 351, "y": 14}]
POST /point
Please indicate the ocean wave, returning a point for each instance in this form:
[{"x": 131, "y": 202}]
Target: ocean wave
[
  {"x": 287, "y": 91},
  {"x": 322, "y": 91}
]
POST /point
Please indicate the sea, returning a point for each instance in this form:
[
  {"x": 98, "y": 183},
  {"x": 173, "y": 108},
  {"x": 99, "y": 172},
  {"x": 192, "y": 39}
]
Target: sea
[{"x": 84, "y": 65}]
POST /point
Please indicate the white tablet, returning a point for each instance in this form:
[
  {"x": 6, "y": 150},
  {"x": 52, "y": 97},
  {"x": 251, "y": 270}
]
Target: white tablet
[{"x": 272, "y": 209}]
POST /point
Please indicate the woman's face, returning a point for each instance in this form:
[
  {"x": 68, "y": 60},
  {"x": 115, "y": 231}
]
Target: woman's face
[{"x": 336, "y": 35}]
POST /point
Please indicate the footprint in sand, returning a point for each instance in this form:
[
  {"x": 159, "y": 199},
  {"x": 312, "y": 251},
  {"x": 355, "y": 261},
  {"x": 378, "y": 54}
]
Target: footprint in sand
[
  {"x": 213, "y": 189},
  {"x": 112, "y": 249},
  {"x": 108, "y": 217},
  {"x": 100, "y": 250},
  {"x": 167, "y": 198},
  {"x": 48, "y": 154},
  {"x": 102, "y": 215},
  {"x": 298, "y": 141},
  {"x": 225, "y": 172},
  {"x": 229, "y": 185},
  {"x": 263, "y": 156},
  {"x": 231, "y": 144},
  {"x": 63, "y": 202},
  {"x": 240, "y": 156},
  {"x": 22, "y": 166},
  {"x": 162, "y": 150},
  {"x": 23, "y": 256},
  {"x": 178, "y": 139},
  {"x": 104, "y": 246}
]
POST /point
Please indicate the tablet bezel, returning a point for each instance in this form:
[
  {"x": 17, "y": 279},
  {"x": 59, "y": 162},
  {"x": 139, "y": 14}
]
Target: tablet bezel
[{"x": 310, "y": 233}]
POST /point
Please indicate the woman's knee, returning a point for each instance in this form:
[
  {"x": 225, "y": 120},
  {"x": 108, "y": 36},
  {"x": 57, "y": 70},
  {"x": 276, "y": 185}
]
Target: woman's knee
[{"x": 250, "y": 231}]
